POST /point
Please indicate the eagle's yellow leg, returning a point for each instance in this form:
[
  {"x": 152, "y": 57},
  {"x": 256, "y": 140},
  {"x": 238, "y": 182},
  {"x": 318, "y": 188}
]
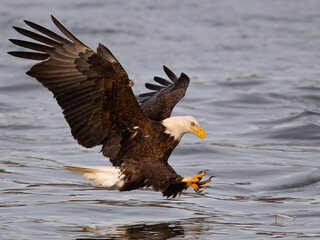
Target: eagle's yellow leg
[
  {"x": 194, "y": 179},
  {"x": 195, "y": 183}
]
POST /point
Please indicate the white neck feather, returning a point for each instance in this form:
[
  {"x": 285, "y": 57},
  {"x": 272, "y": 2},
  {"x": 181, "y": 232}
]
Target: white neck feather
[{"x": 176, "y": 126}]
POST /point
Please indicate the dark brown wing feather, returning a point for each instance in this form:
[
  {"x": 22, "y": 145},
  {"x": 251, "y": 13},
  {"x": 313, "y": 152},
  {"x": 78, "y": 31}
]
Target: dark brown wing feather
[
  {"x": 159, "y": 104},
  {"x": 91, "y": 88}
]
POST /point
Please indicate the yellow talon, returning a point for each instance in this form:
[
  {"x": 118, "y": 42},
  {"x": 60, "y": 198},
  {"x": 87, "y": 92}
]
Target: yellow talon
[
  {"x": 204, "y": 182},
  {"x": 195, "y": 187},
  {"x": 193, "y": 179},
  {"x": 195, "y": 183}
]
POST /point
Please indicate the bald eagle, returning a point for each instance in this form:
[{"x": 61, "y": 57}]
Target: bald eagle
[{"x": 94, "y": 92}]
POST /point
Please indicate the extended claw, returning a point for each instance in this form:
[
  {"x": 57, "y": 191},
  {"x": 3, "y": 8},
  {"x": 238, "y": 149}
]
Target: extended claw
[
  {"x": 204, "y": 171},
  {"x": 206, "y": 181},
  {"x": 195, "y": 183},
  {"x": 195, "y": 187}
]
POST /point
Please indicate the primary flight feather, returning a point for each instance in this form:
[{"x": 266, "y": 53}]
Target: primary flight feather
[{"x": 94, "y": 92}]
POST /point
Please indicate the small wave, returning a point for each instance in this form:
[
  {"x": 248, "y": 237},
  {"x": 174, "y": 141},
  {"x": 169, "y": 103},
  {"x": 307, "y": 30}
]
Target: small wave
[{"x": 300, "y": 181}]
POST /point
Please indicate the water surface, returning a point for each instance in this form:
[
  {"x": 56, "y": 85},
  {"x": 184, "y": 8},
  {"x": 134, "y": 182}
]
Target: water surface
[{"x": 254, "y": 68}]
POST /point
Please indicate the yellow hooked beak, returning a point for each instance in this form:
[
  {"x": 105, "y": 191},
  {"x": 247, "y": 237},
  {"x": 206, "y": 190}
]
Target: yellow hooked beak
[{"x": 199, "y": 132}]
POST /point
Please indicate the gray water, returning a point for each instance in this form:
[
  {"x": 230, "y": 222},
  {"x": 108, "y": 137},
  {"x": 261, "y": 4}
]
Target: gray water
[{"x": 255, "y": 72}]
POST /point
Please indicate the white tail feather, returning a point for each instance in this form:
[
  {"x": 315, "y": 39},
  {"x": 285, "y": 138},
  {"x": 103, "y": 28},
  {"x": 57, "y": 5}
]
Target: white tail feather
[{"x": 102, "y": 176}]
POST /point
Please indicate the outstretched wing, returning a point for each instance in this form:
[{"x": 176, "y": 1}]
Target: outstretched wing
[
  {"x": 158, "y": 105},
  {"x": 91, "y": 87}
]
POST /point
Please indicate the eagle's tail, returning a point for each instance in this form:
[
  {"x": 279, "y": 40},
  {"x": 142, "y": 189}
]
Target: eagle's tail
[{"x": 109, "y": 177}]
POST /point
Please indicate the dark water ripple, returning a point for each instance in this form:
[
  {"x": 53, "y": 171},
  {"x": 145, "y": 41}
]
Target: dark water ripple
[{"x": 255, "y": 89}]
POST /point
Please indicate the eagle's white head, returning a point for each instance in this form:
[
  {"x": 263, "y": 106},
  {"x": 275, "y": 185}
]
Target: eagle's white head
[{"x": 178, "y": 126}]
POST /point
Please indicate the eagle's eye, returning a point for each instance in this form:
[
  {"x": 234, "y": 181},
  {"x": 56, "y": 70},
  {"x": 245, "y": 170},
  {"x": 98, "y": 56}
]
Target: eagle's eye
[{"x": 192, "y": 124}]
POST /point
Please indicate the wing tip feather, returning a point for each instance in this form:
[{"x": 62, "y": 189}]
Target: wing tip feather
[
  {"x": 29, "y": 55},
  {"x": 170, "y": 74},
  {"x": 184, "y": 77}
]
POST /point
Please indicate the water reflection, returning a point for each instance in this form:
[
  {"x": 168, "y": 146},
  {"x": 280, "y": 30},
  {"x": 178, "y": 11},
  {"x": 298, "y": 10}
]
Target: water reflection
[{"x": 157, "y": 231}]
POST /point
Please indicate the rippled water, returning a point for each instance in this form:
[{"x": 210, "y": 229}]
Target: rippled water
[{"x": 255, "y": 89}]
